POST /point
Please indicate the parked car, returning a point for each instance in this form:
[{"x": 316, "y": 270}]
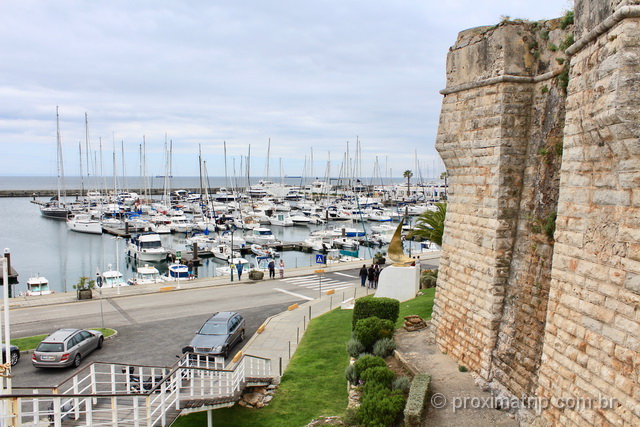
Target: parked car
[
  {"x": 66, "y": 347},
  {"x": 15, "y": 355},
  {"x": 218, "y": 335}
]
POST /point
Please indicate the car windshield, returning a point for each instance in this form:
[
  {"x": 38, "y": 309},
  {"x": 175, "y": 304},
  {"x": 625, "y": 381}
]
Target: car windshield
[
  {"x": 51, "y": 347},
  {"x": 213, "y": 328}
]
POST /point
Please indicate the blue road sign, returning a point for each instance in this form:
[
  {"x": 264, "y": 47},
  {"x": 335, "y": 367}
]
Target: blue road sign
[{"x": 319, "y": 259}]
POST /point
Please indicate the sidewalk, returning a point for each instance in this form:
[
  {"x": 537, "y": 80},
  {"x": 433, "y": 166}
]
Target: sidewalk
[{"x": 124, "y": 291}]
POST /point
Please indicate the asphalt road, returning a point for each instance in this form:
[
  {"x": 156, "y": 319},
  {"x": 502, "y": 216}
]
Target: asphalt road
[{"x": 153, "y": 328}]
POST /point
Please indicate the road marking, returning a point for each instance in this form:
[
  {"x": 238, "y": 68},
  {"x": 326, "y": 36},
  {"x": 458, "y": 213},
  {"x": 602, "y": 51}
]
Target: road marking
[
  {"x": 294, "y": 294},
  {"x": 346, "y": 275}
]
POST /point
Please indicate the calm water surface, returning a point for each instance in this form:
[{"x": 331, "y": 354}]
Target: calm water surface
[{"x": 42, "y": 246}]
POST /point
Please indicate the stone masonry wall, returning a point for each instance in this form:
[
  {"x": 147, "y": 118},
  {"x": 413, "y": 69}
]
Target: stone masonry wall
[
  {"x": 530, "y": 311},
  {"x": 592, "y": 341},
  {"x": 499, "y": 135}
]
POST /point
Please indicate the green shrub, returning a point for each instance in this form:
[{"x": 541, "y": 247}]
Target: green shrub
[
  {"x": 383, "y": 308},
  {"x": 401, "y": 383},
  {"x": 384, "y": 347},
  {"x": 378, "y": 375},
  {"x": 380, "y": 407},
  {"x": 416, "y": 400},
  {"x": 351, "y": 374},
  {"x": 568, "y": 41},
  {"x": 354, "y": 347},
  {"x": 371, "y": 329},
  {"x": 428, "y": 278},
  {"x": 567, "y": 19},
  {"x": 462, "y": 368},
  {"x": 367, "y": 361}
]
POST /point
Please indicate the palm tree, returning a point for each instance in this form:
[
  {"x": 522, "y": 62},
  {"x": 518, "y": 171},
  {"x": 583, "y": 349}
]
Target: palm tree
[
  {"x": 408, "y": 174},
  {"x": 430, "y": 224}
]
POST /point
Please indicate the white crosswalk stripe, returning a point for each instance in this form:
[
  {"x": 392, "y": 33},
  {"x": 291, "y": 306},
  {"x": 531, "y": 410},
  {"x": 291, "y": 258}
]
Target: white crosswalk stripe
[{"x": 317, "y": 283}]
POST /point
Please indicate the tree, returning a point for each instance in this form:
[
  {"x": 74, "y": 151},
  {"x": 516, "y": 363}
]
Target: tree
[
  {"x": 430, "y": 224},
  {"x": 408, "y": 174}
]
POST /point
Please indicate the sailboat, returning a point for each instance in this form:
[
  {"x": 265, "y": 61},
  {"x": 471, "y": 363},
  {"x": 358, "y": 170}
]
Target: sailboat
[{"x": 55, "y": 209}]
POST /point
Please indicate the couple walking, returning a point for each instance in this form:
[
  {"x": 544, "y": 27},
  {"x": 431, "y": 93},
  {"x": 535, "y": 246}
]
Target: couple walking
[
  {"x": 370, "y": 275},
  {"x": 272, "y": 269}
]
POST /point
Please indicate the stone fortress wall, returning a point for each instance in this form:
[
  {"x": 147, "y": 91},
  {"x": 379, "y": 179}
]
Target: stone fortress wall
[{"x": 539, "y": 284}]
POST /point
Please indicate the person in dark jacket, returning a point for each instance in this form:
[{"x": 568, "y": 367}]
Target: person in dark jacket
[
  {"x": 363, "y": 275},
  {"x": 376, "y": 276},
  {"x": 272, "y": 269},
  {"x": 371, "y": 275}
]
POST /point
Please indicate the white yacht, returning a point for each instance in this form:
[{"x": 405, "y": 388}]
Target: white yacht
[
  {"x": 146, "y": 247},
  {"x": 281, "y": 219},
  {"x": 38, "y": 285},
  {"x": 113, "y": 279},
  {"x": 146, "y": 275},
  {"x": 261, "y": 236},
  {"x": 83, "y": 223}
]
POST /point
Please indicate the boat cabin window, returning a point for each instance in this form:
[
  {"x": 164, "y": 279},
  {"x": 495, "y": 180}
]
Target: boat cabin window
[
  {"x": 264, "y": 232},
  {"x": 150, "y": 245}
]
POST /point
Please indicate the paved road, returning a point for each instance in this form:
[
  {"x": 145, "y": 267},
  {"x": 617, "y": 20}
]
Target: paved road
[{"x": 153, "y": 328}]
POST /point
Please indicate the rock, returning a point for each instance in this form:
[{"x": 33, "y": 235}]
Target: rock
[
  {"x": 267, "y": 399},
  {"x": 252, "y": 398},
  {"x": 242, "y": 403}
]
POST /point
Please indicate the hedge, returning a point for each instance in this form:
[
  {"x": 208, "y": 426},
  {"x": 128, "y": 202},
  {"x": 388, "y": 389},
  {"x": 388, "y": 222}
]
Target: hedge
[
  {"x": 384, "y": 308},
  {"x": 371, "y": 329},
  {"x": 416, "y": 401}
]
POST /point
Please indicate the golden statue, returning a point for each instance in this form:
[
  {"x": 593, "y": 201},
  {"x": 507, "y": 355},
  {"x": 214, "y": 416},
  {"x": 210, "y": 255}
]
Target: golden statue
[{"x": 395, "y": 252}]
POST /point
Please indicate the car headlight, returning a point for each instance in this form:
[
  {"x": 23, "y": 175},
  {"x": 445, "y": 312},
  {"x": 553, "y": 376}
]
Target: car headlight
[{"x": 217, "y": 349}]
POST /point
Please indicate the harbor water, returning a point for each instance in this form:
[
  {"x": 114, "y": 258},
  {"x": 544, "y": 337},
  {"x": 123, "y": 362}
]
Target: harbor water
[{"x": 46, "y": 247}]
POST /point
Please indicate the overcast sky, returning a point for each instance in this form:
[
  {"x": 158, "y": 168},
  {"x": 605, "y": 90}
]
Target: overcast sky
[{"x": 307, "y": 75}]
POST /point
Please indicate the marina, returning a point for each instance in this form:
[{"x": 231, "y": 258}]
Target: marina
[{"x": 51, "y": 248}]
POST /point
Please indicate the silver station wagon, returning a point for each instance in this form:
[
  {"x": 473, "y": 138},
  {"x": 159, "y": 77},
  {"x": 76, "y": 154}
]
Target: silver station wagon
[
  {"x": 66, "y": 347},
  {"x": 218, "y": 335}
]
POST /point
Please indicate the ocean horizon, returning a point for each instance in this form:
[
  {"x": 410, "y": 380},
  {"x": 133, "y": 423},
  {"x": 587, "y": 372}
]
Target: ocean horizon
[{"x": 41, "y": 182}]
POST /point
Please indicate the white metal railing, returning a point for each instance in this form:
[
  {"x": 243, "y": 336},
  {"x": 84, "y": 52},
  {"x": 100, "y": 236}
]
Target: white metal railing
[{"x": 103, "y": 394}]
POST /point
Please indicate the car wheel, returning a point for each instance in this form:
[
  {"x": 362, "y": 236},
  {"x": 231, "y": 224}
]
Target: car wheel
[
  {"x": 100, "y": 342},
  {"x": 15, "y": 356},
  {"x": 76, "y": 361},
  {"x": 225, "y": 352},
  {"x": 242, "y": 335}
]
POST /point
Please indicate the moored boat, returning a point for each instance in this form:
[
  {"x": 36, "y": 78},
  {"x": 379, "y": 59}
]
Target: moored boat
[
  {"x": 38, "y": 285},
  {"x": 83, "y": 223},
  {"x": 146, "y": 275},
  {"x": 146, "y": 247}
]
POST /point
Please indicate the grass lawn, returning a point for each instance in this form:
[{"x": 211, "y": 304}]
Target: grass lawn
[
  {"x": 313, "y": 384},
  {"x": 29, "y": 343},
  {"x": 421, "y": 305}
]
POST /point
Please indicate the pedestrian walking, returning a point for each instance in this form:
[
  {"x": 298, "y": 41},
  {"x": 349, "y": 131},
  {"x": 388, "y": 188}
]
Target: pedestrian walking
[
  {"x": 363, "y": 275},
  {"x": 190, "y": 275},
  {"x": 376, "y": 276},
  {"x": 371, "y": 276},
  {"x": 239, "y": 267},
  {"x": 272, "y": 269},
  {"x": 281, "y": 269}
]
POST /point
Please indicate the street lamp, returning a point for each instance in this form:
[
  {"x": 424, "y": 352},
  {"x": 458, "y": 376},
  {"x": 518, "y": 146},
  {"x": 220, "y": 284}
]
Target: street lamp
[{"x": 7, "y": 335}]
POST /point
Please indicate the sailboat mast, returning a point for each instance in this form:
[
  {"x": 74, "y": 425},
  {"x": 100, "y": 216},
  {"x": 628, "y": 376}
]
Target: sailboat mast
[
  {"x": 59, "y": 150},
  {"x": 81, "y": 171},
  {"x": 268, "y": 157},
  {"x": 226, "y": 174}
]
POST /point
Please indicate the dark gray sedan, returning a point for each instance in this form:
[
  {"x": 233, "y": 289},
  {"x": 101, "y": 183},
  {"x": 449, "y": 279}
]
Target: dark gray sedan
[
  {"x": 66, "y": 347},
  {"x": 14, "y": 355},
  {"x": 218, "y": 335}
]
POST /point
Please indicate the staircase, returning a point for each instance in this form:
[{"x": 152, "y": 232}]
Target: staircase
[{"x": 105, "y": 394}]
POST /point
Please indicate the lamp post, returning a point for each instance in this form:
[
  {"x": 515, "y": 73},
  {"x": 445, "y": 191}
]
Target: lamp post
[{"x": 6, "y": 387}]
